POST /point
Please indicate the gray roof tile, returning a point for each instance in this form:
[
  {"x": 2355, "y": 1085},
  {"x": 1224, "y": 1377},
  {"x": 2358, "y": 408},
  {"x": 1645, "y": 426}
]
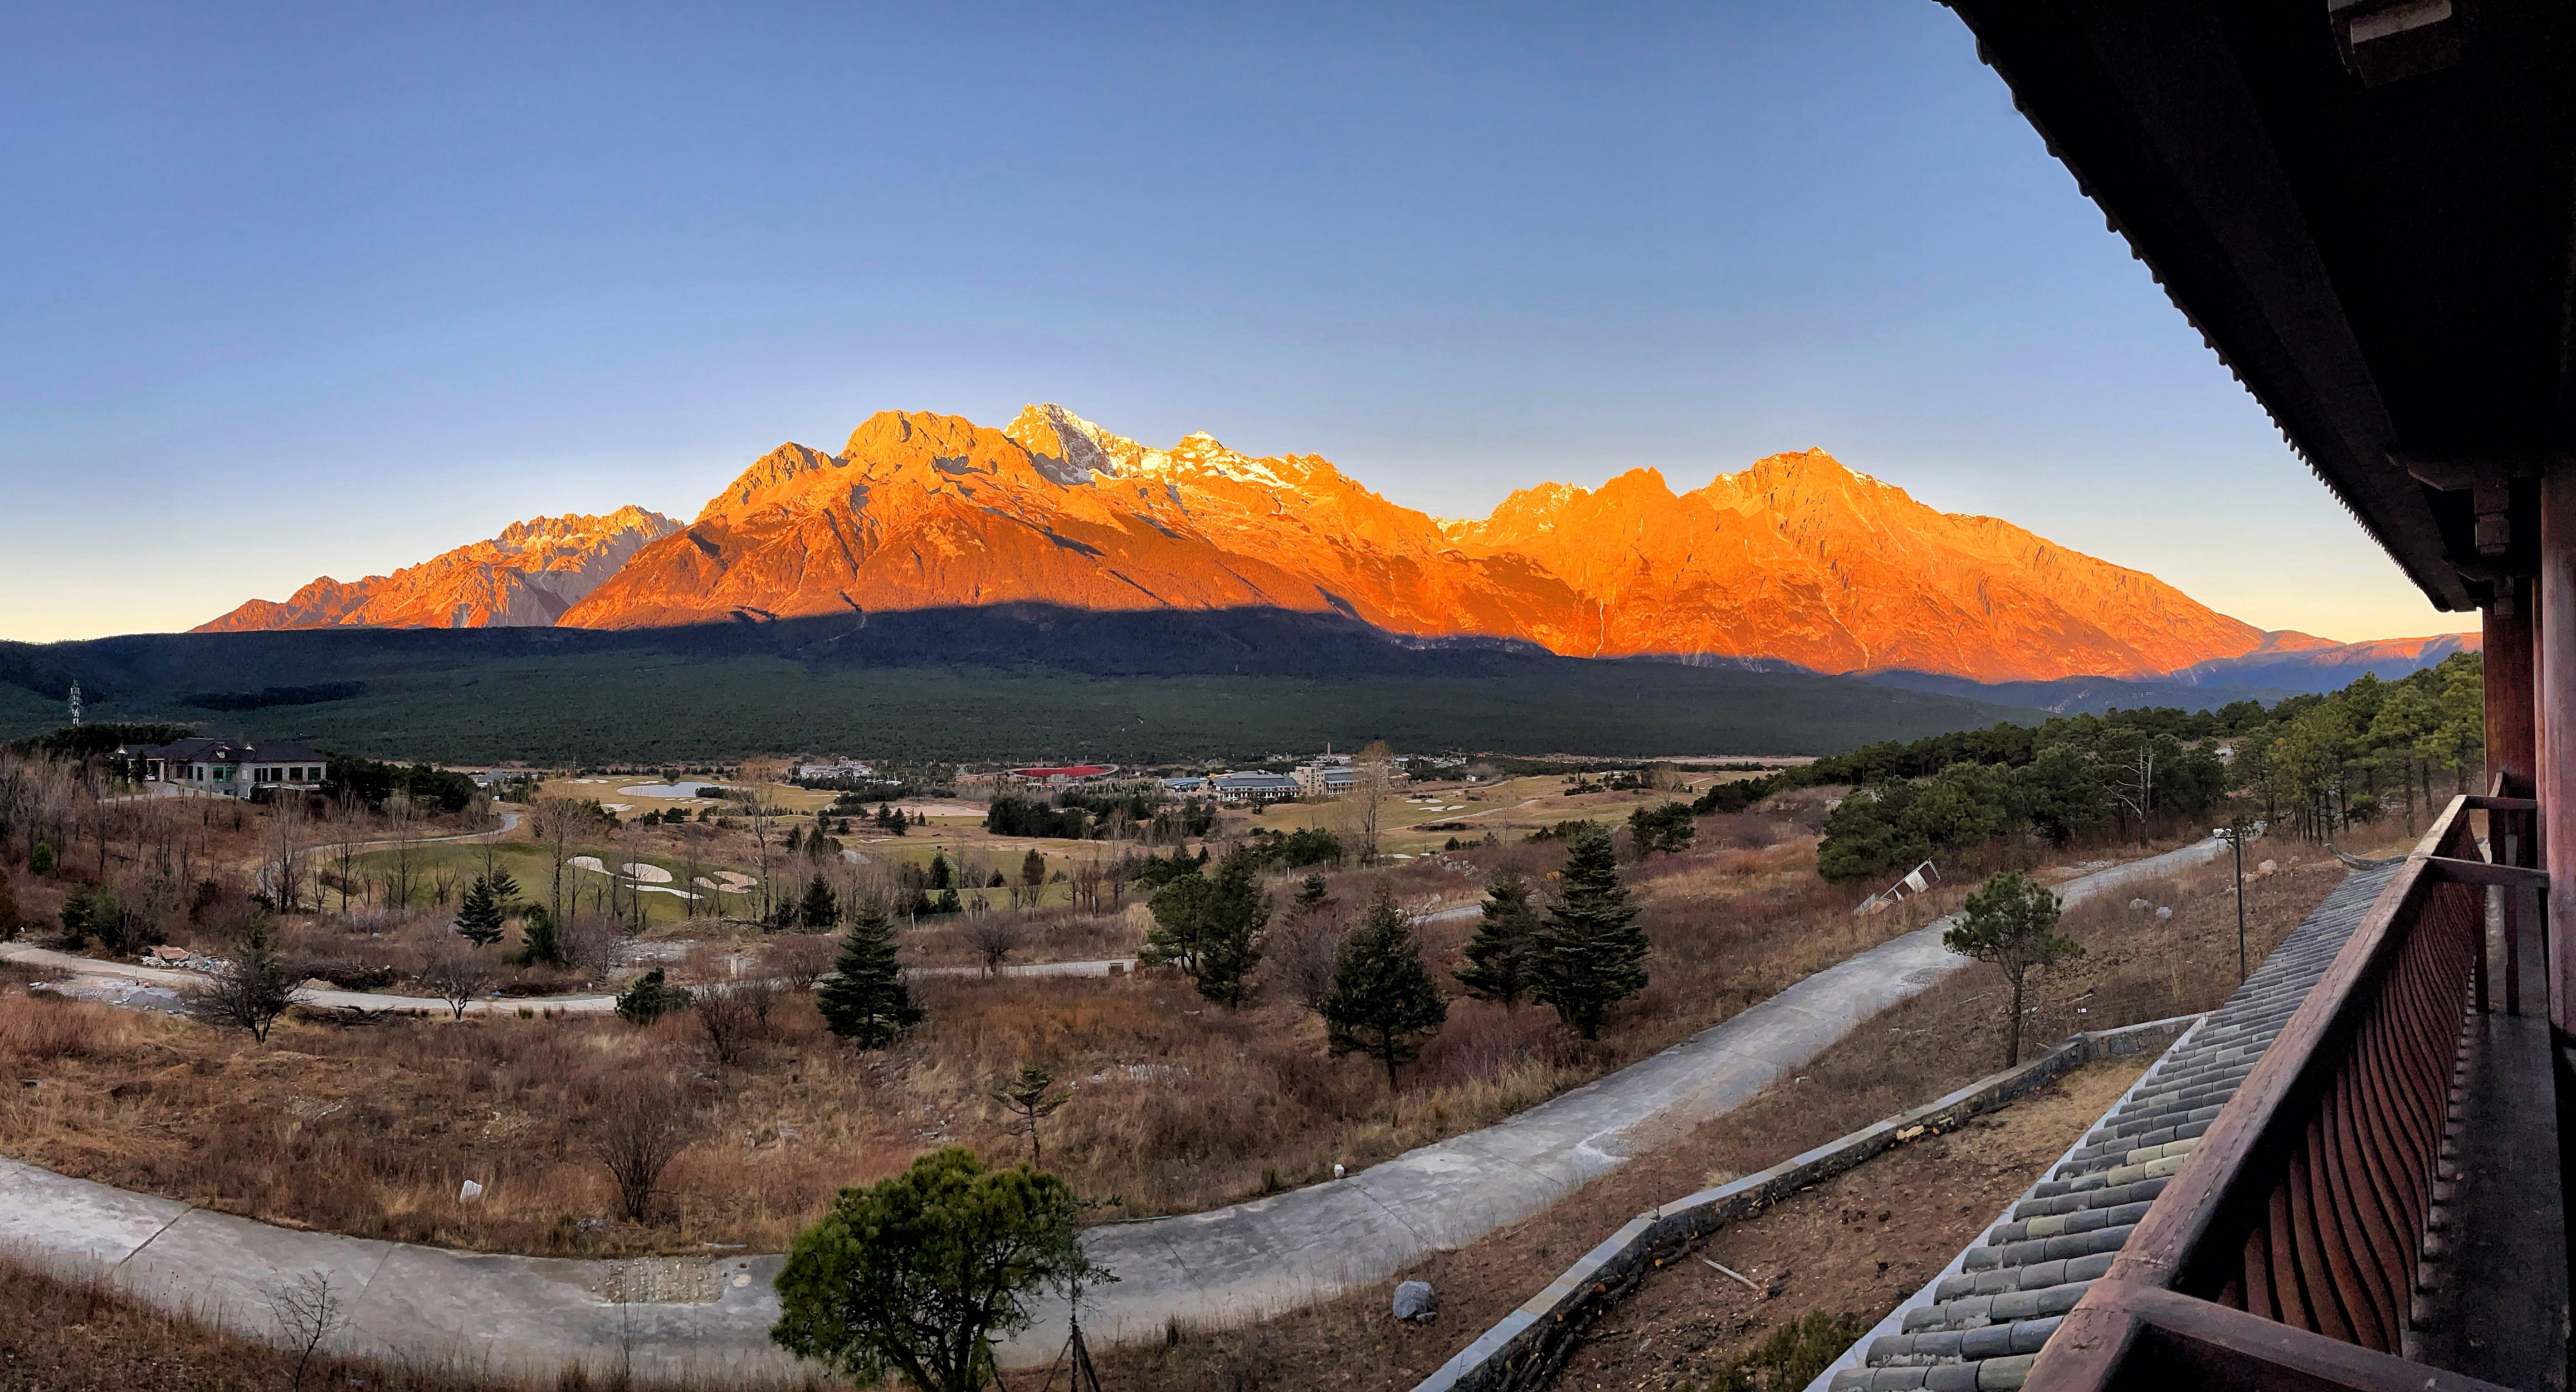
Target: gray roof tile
[{"x": 1983, "y": 1327}]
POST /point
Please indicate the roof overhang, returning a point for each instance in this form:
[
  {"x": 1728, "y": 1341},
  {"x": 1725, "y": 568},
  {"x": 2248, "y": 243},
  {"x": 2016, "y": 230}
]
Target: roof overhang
[{"x": 2367, "y": 208}]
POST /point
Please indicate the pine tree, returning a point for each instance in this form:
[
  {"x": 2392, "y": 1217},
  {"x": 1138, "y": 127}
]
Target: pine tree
[
  {"x": 650, "y": 998},
  {"x": 1383, "y": 1002},
  {"x": 505, "y": 890},
  {"x": 821, "y": 908},
  {"x": 541, "y": 939},
  {"x": 1208, "y": 929},
  {"x": 2011, "y": 921},
  {"x": 1498, "y": 957},
  {"x": 864, "y": 1000},
  {"x": 1590, "y": 954},
  {"x": 478, "y": 918}
]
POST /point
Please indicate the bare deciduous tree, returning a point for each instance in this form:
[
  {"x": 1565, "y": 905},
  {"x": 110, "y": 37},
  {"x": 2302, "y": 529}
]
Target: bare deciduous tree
[
  {"x": 799, "y": 960},
  {"x": 307, "y": 1311},
  {"x": 735, "y": 1015},
  {"x": 636, "y": 1127},
  {"x": 250, "y": 992},
  {"x": 1374, "y": 777},
  {"x": 553, "y": 822},
  {"x": 994, "y": 936},
  {"x": 457, "y": 977}
]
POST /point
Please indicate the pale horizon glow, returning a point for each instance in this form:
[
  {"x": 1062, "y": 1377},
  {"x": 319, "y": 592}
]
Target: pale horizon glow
[{"x": 323, "y": 291}]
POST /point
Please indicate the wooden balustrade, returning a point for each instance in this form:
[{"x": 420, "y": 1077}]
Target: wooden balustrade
[{"x": 2285, "y": 1251}]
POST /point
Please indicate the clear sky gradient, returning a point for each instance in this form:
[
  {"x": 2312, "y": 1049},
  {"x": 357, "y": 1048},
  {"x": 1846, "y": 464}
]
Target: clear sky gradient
[{"x": 300, "y": 290}]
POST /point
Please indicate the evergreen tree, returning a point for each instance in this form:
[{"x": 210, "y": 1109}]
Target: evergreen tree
[
  {"x": 1498, "y": 957},
  {"x": 541, "y": 939},
  {"x": 1383, "y": 1002},
  {"x": 650, "y": 998},
  {"x": 941, "y": 877},
  {"x": 9, "y": 920},
  {"x": 1590, "y": 954},
  {"x": 864, "y": 1000},
  {"x": 40, "y": 861},
  {"x": 1229, "y": 933},
  {"x": 1209, "y": 928},
  {"x": 478, "y": 918},
  {"x": 821, "y": 908},
  {"x": 1180, "y": 913},
  {"x": 2011, "y": 921},
  {"x": 1032, "y": 869},
  {"x": 1667, "y": 828}
]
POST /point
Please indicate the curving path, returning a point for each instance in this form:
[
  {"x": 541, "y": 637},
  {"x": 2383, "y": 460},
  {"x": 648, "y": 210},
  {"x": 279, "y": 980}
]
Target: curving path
[
  {"x": 537, "y": 1314},
  {"x": 178, "y": 979}
]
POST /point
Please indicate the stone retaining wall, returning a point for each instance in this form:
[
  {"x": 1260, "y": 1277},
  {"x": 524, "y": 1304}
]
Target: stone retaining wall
[{"x": 1525, "y": 1348}]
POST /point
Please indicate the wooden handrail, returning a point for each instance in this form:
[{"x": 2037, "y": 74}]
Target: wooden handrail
[{"x": 2303, "y": 1205}]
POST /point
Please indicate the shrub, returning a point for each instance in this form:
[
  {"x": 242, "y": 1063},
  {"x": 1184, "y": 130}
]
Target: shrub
[{"x": 650, "y": 998}]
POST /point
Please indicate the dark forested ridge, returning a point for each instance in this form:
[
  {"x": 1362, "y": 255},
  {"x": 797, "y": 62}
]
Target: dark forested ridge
[{"x": 964, "y": 684}]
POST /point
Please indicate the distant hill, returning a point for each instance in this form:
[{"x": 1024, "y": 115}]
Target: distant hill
[
  {"x": 1796, "y": 559},
  {"x": 2288, "y": 664},
  {"x": 528, "y": 575},
  {"x": 982, "y": 683}
]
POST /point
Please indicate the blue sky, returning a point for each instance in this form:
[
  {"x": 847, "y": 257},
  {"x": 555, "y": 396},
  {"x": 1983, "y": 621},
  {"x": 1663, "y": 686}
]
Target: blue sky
[{"x": 295, "y": 290}]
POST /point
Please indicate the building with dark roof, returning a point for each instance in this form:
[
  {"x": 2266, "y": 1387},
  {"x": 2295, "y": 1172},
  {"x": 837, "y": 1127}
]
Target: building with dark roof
[{"x": 228, "y": 768}]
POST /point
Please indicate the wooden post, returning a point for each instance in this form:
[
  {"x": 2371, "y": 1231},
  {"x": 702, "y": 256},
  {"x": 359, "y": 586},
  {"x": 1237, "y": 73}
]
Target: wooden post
[
  {"x": 2512, "y": 756},
  {"x": 2554, "y": 782}
]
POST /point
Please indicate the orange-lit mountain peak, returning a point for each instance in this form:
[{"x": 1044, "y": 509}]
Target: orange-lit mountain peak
[{"x": 1796, "y": 557}]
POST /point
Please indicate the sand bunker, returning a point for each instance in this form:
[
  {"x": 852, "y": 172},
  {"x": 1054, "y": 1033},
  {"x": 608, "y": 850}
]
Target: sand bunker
[
  {"x": 587, "y": 863},
  {"x": 729, "y": 881},
  {"x": 649, "y": 874}
]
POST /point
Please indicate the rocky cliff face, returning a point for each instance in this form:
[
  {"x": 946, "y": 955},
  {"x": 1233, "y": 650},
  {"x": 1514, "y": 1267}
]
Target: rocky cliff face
[
  {"x": 1797, "y": 558},
  {"x": 525, "y": 577}
]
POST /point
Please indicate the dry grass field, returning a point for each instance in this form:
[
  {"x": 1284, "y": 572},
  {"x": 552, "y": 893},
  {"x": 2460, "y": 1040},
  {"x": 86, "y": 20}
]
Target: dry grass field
[{"x": 1177, "y": 1105}]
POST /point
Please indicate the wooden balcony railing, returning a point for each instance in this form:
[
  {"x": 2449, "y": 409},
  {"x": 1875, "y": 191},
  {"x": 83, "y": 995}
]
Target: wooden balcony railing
[{"x": 2285, "y": 1251}]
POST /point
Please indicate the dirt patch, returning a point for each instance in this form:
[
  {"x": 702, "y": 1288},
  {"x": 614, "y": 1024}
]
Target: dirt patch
[{"x": 1858, "y": 1243}]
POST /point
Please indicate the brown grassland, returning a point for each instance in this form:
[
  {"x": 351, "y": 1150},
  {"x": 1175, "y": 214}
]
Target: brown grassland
[{"x": 1177, "y": 1104}]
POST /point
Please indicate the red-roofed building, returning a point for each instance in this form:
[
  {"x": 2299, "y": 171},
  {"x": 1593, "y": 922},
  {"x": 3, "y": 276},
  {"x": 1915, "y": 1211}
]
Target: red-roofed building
[{"x": 1062, "y": 775}]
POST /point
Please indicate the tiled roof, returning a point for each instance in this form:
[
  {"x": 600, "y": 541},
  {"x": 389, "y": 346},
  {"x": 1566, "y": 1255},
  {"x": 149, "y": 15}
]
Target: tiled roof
[{"x": 1980, "y": 1328}]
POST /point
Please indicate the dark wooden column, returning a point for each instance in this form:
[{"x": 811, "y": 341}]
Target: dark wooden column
[
  {"x": 2512, "y": 758},
  {"x": 2554, "y": 782},
  {"x": 2511, "y": 726}
]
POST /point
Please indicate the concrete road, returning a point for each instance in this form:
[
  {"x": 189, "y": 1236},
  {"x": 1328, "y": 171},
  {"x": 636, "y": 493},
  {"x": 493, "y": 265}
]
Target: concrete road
[
  {"x": 179, "y": 979},
  {"x": 536, "y": 1314}
]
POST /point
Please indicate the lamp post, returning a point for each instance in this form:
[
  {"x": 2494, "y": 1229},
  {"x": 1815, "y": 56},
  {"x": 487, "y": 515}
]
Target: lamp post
[{"x": 2236, "y": 833}]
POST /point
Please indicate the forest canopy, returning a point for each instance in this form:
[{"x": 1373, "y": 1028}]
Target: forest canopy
[{"x": 2309, "y": 766}]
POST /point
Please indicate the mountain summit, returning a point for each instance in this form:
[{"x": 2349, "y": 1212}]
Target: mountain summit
[
  {"x": 524, "y": 578},
  {"x": 1796, "y": 559}
]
